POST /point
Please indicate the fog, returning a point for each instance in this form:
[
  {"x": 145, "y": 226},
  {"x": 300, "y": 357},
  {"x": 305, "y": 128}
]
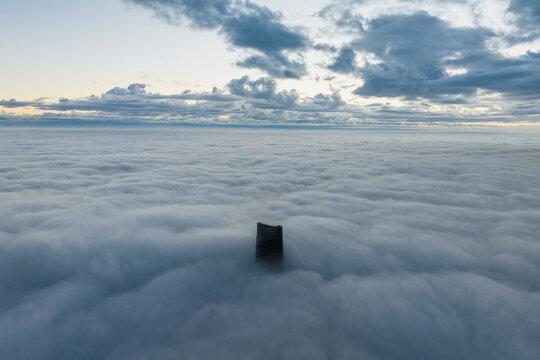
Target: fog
[{"x": 139, "y": 243}]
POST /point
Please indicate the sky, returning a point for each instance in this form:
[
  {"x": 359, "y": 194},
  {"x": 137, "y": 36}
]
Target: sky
[
  {"x": 341, "y": 63},
  {"x": 139, "y": 243}
]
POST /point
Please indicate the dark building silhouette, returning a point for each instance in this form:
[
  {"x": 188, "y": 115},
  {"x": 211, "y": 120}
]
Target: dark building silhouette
[{"x": 269, "y": 242}]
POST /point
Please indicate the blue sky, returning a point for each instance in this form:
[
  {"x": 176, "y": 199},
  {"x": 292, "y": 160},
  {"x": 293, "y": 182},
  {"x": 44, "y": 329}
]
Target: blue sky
[{"x": 280, "y": 62}]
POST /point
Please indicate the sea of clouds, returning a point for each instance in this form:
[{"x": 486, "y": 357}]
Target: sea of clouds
[{"x": 139, "y": 243}]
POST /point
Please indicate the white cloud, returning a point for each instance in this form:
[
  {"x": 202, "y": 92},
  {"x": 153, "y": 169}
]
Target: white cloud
[{"x": 139, "y": 243}]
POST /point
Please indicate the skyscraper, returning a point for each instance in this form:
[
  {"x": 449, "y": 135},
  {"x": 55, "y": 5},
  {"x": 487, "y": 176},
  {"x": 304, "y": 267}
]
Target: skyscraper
[{"x": 269, "y": 242}]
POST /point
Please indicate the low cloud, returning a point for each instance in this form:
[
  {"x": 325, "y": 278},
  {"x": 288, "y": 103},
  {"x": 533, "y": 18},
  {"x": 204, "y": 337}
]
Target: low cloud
[
  {"x": 139, "y": 243},
  {"x": 246, "y": 101},
  {"x": 243, "y": 101},
  {"x": 265, "y": 90}
]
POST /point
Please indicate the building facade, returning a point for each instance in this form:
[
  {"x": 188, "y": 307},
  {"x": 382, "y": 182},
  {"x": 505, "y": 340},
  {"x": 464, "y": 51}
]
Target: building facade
[{"x": 269, "y": 242}]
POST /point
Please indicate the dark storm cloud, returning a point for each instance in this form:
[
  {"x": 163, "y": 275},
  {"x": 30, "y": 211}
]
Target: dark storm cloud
[
  {"x": 518, "y": 77},
  {"x": 259, "y": 28},
  {"x": 243, "y": 24},
  {"x": 139, "y": 244},
  {"x": 416, "y": 50},
  {"x": 528, "y": 17},
  {"x": 277, "y": 66},
  {"x": 344, "y": 62}
]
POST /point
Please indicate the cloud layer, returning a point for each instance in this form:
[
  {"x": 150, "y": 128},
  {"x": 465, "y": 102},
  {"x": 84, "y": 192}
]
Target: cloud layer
[
  {"x": 139, "y": 243},
  {"x": 245, "y": 101}
]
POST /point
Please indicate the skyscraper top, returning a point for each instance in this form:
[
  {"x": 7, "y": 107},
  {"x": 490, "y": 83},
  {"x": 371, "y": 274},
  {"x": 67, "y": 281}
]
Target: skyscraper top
[{"x": 269, "y": 242}]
